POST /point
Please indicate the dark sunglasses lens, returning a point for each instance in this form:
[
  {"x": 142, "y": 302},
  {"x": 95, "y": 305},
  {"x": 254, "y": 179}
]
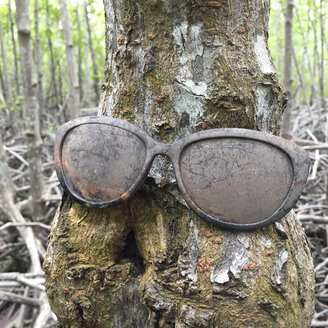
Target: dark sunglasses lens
[
  {"x": 96, "y": 161},
  {"x": 240, "y": 181}
]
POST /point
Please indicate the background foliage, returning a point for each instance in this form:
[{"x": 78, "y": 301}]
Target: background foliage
[
  {"x": 52, "y": 28},
  {"x": 310, "y": 46}
]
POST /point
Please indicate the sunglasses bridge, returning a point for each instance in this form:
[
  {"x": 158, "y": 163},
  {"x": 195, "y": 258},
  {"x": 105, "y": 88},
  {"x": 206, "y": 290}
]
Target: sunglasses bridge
[{"x": 171, "y": 150}]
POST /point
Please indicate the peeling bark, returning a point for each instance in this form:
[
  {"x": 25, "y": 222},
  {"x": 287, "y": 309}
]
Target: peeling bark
[{"x": 173, "y": 69}]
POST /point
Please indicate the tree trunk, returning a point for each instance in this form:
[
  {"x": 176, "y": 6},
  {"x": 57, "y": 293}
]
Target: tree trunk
[
  {"x": 174, "y": 68},
  {"x": 92, "y": 51},
  {"x": 31, "y": 108},
  {"x": 79, "y": 54},
  {"x": 52, "y": 57},
  {"x": 313, "y": 29},
  {"x": 60, "y": 82},
  {"x": 74, "y": 94},
  {"x": 38, "y": 60},
  {"x": 305, "y": 55},
  {"x": 288, "y": 60},
  {"x": 5, "y": 78},
  {"x": 14, "y": 48},
  {"x": 322, "y": 59},
  {"x": 2, "y": 98},
  {"x": 87, "y": 94}
]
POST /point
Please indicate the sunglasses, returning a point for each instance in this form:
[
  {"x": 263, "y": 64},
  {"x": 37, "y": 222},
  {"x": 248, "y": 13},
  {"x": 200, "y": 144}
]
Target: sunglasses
[{"x": 233, "y": 178}]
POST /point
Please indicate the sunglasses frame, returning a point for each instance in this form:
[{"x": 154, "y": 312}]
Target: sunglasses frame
[{"x": 299, "y": 160}]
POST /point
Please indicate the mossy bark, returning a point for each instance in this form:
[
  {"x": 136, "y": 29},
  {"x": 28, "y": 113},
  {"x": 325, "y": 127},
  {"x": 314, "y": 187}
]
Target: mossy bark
[{"x": 174, "y": 68}]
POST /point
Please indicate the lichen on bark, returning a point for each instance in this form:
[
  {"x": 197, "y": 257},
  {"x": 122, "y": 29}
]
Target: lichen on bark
[{"x": 174, "y": 68}]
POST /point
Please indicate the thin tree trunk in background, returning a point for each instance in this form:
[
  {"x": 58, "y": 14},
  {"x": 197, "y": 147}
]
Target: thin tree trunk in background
[
  {"x": 313, "y": 63},
  {"x": 52, "y": 57},
  {"x": 17, "y": 83},
  {"x": 38, "y": 61},
  {"x": 74, "y": 94},
  {"x": 288, "y": 60},
  {"x": 31, "y": 108},
  {"x": 322, "y": 60},
  {"x": 322, "y": 79},
  {"x": 279, "y": 45},
  {"x": 6, "y": 82},
  {"x": 6, "y": 180},
  {"x": 174, "y": 68},
  {"x": 2, "y": 98},
  {"x": 93, "y": 56},
  {"x": 60, "y": 82},
  {"x": 79, "y": 54},
  {"x": 87, "y": 93},
  {"x": 299, "y": 77},
  {"x": 316, "y": 61},
  {"x": 305, "y": 55}
]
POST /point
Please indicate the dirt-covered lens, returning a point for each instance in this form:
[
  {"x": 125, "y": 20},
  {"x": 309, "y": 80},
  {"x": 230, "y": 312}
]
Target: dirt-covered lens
[
  {"x": 236, "y": 180},
  {"x": 96, "y": 161}
]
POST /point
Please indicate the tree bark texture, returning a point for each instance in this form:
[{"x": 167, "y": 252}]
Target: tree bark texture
[
  {"x": 288, "y": 59},
  {"x": 31, "y": 108},
  {"x": 74, "y": 94},
  {"x": 6, "y": 82},
  {"x": 174, "y": 68}
]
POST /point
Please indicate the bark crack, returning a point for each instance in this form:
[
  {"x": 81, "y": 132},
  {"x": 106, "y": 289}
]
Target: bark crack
[{"x": 132, "y": 253}]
